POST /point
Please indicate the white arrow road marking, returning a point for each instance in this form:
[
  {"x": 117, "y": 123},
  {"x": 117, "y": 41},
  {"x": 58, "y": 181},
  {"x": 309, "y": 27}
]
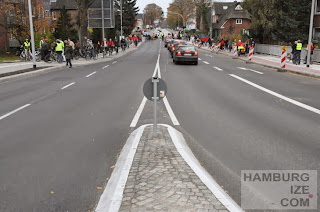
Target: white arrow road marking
[
  {"x": 105, "y": 66},
  {"x": 248, "y": 69},
  {"x": 307, "y": 107},
  {"x": 67, "y": 85},
  {"x": 219, "y": 69},
  {"x": 91, "y": 74},
  {"x": 14, "y": 111},
  {"x": 206, "y": 62}
]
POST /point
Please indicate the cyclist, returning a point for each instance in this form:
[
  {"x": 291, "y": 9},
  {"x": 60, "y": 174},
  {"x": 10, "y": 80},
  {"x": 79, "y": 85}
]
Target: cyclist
[
  {"x": 59, "y": 48},
  {"x": 110, "y": 46},
  {"x": 123, "y": 43},
  {"x": 26, "y": 46},
  {"x": 298, "y": 54},
  {"x": 116, "y": 45}
]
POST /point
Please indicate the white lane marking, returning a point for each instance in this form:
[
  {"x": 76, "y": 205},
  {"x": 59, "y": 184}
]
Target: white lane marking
[
  {"x": 206, "y": 62},
  {"x": 219, "y": 69},
  {"x": 188, "y": 156},
  {"x": 91, "y": 74},
  {"x": 14, "y": 111},
  {"x": 199, "y": 58},
  {"x": 105, "y": 66},
  {"x": 307, "y": 107},
  {"x": 157, "y": 67},
  {"x": 111, "y": 197},
  {"x": 248, "y": 69},
  {"x": 114, "y": 62},
  {"x": 208, "y": 55},
  {"x": 67, "y": 85},
  {"x": 138, "y": 113},
  {"x": 170, "y": 111}
]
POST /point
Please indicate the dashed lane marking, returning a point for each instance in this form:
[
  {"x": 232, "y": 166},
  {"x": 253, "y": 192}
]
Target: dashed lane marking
[
  {"x": 91, "y": 74},
  {"x": 248, "y": 69},
  {"x": 67, "y": 85},
  {"x": 14, "y": 111},
  {"x": 105, "y": 66},
  {"x": 206, "y": 62},
  {"x": 219, "y": 69}
]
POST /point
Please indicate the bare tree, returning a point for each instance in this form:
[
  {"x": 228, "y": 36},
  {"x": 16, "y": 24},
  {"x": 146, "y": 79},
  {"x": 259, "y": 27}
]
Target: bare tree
[{"x": 152, "y": 12}]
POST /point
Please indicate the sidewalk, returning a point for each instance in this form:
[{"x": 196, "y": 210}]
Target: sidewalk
[
  {"x": 160, "y": 173},
  {"x": 20, "y": 68},
  {"x": 274, "y": 62}
]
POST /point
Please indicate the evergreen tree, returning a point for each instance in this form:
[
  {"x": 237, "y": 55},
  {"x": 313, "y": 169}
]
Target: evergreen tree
[
  {"x": 65, "y": 27},
  {"x": 129, "y": 11},
  {"x": 275, "y": 21}
]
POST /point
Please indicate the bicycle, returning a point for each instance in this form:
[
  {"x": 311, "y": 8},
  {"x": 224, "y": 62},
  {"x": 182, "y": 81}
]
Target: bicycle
[
  {"x": 110, "y": 50},
  {"x": 28, "y": 57},
  {"x": 52, "y": 56},
  {"x": 289, "y": 57},
  {"x": 123, "y": 47}
]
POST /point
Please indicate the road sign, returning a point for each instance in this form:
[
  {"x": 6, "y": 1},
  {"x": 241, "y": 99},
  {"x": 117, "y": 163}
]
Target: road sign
[
  {"x": 148, "y": 89},
  {"x": 95, "y": 14}
]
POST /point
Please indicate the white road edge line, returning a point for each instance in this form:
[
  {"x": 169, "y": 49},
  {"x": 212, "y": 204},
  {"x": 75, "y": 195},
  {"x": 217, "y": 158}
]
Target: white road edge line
[
  {"x": 307, "y": 107},
  {"x": 138, "y": 113},
  {"x": 91, "y": 74},
  {"x": 14, "y": 111},
  {"x": 185, "y": 152},
  {"x": 170, "y": 111},
  {"x": 111, "y": 197},
  {"x": 105, "y": 66},
  {"x": 206, "y": 62},
  {"x": 219, "y": 69},
  {"x": 67, "y": 85}
]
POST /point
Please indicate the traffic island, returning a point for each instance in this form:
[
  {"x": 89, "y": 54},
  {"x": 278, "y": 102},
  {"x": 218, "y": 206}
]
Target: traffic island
[{"x": 163, "y": 175}]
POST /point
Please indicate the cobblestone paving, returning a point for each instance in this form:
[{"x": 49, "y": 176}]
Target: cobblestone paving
[{"x": 160, "y": 180}]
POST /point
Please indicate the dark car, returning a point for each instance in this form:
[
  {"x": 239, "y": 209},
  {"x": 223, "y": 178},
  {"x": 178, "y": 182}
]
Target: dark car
[
  {"x": 170, "y": 44},
  {"x": 177, "y": 43},
  {"x": 185, "y": 53},
  {"x": 167, "y": 41}
]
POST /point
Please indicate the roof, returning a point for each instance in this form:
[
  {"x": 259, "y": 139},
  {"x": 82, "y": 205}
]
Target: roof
[
  {"x": 218, "y": 7},
  {"x": 69, "y": 4},
  {"x": 231, "y": 13}
]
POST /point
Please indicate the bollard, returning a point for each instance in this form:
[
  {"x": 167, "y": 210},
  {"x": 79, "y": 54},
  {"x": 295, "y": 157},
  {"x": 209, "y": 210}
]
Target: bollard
[
  {"x": 217, "y": 49},
  {"x": 235, "y": 52},
  {"x": 250, "y": 55},
  {"x": 283, "y": 61},
  {"x": 213, "y": 47}
]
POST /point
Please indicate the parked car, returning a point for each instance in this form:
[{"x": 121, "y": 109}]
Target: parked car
[{"x": 185, "y": 53}]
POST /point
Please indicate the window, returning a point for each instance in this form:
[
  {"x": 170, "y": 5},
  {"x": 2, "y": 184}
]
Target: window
[
  {"x": 239, "y": 21},
  {"x": 54, "y": 16},
  {"x": 318, "y": 6},
  {"x": 47, "y": 14}
]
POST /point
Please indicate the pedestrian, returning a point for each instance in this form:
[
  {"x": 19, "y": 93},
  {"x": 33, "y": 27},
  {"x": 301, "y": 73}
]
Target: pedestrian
[
  {"x": 230, "y": 45},
  {"x": 116, "y": 45},
  {"x": 299, "y": 48},
  {"x": 135, "y": 39},
  {"x": 222, "y": 44},
  {"x": 110, "y": 46},
  {"x": 71, "y": 43},
  {"x": 294, "y": 50},
  {"x": 311, "y": 53},
  {"x": 59, "y": 48},
  {"x": 45, "y": 48},
  {"x": 69, "y": 54}
]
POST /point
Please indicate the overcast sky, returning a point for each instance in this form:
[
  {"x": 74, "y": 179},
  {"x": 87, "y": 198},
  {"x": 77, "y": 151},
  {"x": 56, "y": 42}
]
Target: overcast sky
[{"x": 165, "y": 3}]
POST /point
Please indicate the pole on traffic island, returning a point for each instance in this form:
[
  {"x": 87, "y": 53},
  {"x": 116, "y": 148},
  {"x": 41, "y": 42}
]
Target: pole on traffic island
[
  {"x": 283, "y": 59},
  {"x": 235, "y": 53},
  {"x": 250, "y": 54}
]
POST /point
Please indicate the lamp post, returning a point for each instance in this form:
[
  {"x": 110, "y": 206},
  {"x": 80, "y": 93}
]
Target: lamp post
[
  {"x": 310, "y": 33},
  {"x": 121, "y": 18},
  {"x": 32, "y": 36}
]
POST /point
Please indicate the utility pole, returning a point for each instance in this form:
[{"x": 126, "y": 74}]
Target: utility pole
[
  {"x": 102, "y": 12},
  {"x": 121, "y": 18},
  {"x": 32, "y": 36},
  {"x": 310, "y": 33}
]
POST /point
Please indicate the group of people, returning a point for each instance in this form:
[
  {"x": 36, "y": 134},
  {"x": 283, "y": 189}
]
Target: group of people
[
  {"x": 296, "y": 52},
  {"x": 67, "y": 49}
]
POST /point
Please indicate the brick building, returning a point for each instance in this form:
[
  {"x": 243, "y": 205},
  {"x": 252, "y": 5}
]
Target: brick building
[
  {"x": 229, "y": 18},
  {"x": 57, "y": 5}
]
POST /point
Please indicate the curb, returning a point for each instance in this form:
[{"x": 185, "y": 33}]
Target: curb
[
  {"x": 54, "y": 68},
  {"x": 111, "y": 199},
  {"x": 273, "y": 67}
]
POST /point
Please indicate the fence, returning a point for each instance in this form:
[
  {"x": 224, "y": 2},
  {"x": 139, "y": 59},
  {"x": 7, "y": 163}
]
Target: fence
[{"x": 275, "y": 50}]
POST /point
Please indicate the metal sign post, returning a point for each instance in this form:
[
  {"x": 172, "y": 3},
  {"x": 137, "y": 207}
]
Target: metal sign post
[
  {"x": 155, "y": 97},
  {"x": 32, "y": 36},
  {"x": 155, "y": 89},
  {"x": 102, "y": 12}
]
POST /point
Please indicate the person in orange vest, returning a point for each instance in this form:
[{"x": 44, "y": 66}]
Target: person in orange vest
[{"x": 311, "y": 53}]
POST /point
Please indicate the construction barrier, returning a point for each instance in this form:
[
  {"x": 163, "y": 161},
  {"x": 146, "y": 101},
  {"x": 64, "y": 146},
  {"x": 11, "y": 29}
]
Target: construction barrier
[
  {"x": 250, "y": 54},
  {"x": 235, "y": 52},
  {"x": 283, "y": 59}
]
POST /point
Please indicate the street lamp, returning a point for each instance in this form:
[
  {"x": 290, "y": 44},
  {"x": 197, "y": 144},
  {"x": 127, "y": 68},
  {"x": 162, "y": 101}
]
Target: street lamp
[
  {"x": 310, "y": 33},
  {"x": 32, "y": 36},
  {"x": 178, "y": 18}
]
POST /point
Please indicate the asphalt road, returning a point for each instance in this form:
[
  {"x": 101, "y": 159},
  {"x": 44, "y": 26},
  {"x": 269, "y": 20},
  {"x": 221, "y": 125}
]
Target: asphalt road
[{"x": 57, "y": 145}]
